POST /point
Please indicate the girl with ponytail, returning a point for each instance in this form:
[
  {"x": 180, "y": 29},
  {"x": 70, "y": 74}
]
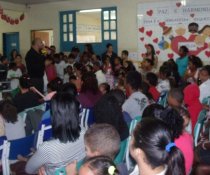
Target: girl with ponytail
[{"x": 153, "y": 149}]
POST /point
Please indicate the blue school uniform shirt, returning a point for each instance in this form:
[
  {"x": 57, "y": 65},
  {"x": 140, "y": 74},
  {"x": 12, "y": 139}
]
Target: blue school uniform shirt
[{"x": 182, "y": 64}]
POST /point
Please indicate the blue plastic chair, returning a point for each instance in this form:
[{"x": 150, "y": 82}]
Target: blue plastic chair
[
  {"x": 21, "y": 147},
  {"x": 163, "y": 99}
]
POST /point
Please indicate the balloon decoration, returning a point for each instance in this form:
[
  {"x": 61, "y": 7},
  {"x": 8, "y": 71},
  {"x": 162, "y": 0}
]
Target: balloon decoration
[{"x": 10, "y": 20}]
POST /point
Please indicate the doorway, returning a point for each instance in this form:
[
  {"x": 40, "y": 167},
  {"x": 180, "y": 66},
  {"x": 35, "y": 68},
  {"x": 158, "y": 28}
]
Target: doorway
[
  {"x": 10, "y": 42},
  {"x": 45, "y": 35}
]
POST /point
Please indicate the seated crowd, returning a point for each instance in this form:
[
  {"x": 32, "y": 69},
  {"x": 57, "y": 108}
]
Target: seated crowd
[{"x": 165, "y": 99}]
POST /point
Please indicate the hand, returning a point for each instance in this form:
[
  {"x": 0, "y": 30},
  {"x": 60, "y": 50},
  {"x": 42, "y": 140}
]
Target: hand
[
  {"x": 41, "y": 171},
  {"x": 71, "y": 168}
]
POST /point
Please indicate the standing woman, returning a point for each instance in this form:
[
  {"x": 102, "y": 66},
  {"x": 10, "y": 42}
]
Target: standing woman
[
  {"x": 151, "y": 54},
  {"x": 13, "y": 55},
  {"x": 154, "y": 150}
]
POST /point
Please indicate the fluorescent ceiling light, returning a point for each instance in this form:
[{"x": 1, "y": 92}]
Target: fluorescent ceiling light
[{"x": 90, "y": 11}]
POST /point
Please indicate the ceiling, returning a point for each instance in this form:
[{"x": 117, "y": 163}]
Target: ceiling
[{"x": 31, "y": 1}]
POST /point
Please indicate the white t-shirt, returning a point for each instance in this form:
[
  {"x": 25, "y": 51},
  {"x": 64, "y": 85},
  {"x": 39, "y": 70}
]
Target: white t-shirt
[
  {"x": 60, "y": 69},
  {"x": 100, "y": 77},
  {"x": 135, "y": 104},
  {"x": 15, "y": 130},
  {"x": 204, "y": 90},
  {"x": 66, "y": 78},
  {"x": 163, "y": 86},
  {"x": 14, "y": 74}
]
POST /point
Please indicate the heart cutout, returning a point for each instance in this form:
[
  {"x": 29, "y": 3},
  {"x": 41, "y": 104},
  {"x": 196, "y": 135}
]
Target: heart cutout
[
  {"x": 207, "y": 53},
  {"x": 157, "y": 52},
  {"x": 150, "y": 12},
  {"x": 170, "y": 55},
  {"x": 155, "y": 40},
  {"x": 162, "y": 24},
  {"x": 142, "y": 38},
  {"x": 176, "y": 40},
  {"x": 178, "y": 4},
  {"x": 149, "y": 33},
  {"x": 141, "y": 29}
]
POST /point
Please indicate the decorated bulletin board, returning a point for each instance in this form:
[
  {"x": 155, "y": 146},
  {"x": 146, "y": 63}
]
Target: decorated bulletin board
[{"x": 169, "y": 25}]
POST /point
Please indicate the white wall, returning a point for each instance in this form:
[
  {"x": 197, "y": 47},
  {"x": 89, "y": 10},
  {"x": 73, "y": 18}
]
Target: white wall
[{"x": 46, "y": 16}]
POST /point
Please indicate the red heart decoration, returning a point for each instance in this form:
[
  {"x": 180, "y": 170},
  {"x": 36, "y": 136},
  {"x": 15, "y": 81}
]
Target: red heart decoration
[
  {"x": 1, "y": 11},
  {"x": 178, "y": 4},
  {"x": 155, "y": 40},
  {"x": 170, "y": 55},
  {"x": 8, "y": 19},
  {"x": 12, "y": 21},
  {"x": 207, "y": 53},
  {"x": 162, "y": 24},
  {"x": 141, "y": 29},
  {"x": 157, "y": 52},
  {"x": 149, "y": 33},
  {"x": 3, "y": 17},
  {"x": 22, "y": 17},
  {"x": 192, "y": 15},
  {"x": 176, "y": 40},
  {"x": 150, "y": 12},
  {"x": 142, "y": 38},
  {"x": 16, "y": 21}
]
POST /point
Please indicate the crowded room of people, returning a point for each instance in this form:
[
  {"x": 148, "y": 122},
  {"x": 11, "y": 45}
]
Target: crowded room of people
[{"x": 105, "y": 87}]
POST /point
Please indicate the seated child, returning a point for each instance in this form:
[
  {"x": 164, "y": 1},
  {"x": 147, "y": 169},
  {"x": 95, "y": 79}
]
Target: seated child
[
  {"x": 68, "y": 73},
  {"x": 152, "y": 80},
  {"x": 20, "y": 65},
  {"x": 175, "y": 98},
  {"x": 50, "y": 69},
  {"x": 104, "y": 88}
]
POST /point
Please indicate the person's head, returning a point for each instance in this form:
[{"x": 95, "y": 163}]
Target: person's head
[
  {"x": 8, "y": 111},
  {"x": 204, "y": 74},
  {"x": 54, "y": 85},
  {"x": 75, "y": 51},
  {"x": 53, "y": 49},
  {"x": 194, "y": 63},
  {"x": 193, "y": 27},
  {"x": 173, "y": 120},
  {"x": 154, "y": 148},
  {"x": 145, "y": 90},
  {"x": 185, "y": 115},
  {"x": 56, "y": 58},
  {"x": 124, "y": 54},
  {"x": 107, "y": 110},
  {"x": 89, "y": 83},
  {"x": 89, "y": 48},
  {"x": 71, "y": 58},
  {"x": 117, "y": 60},
  {"x": 37, "y": 44},
  {"x": 164, "y": 72},
  {"x": 4, "y": 60},
  {"x": 18, "y": 59},
  {"x": 183, "y": 51},
  {"x": 102, "y": 139},
  {"x": 49, "y": 61},
  {"x": 152, "y": 79},
  {"x": 150, "y": 49},
  {"x": 109, "y": 47},
  {"x": 100, "y": 165},
  {"x": 119, "y": 95},
  {"x": 147, "y": 64},
  {"x": 153, "y": 110},
  {"x": 128, "y": 65},
  {"x": 133, "y": 81},
  {"x": 89, "y": 68},
  {"x": 96, "y": 66},
  {"x": 72, "y": 79},
  {"x": 25, "y": 82},
  {"x": 13, "y": 54},
  {"x": 175, "y": 98},
  {"x": 69, "y": 69},
  {"x": 69, "y": 88},
  {"x": 13, "y": 66},
  {"x": 104, "y": 88},
  {"x": 106, "y": 60},
  {"x": 65, "y": 117}
]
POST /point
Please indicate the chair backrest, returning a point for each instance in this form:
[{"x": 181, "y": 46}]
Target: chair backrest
[
  {"x": 5, "y": 148},
  {"x": 199, "y": 126},
  {"x": 163, "y": 99},
  {"x": 41, "y": 134},
  {"x": 21, "y": 147},
  {"x": 61, "y": 171},
  {"x": 86, "y": 117},
  {"x": 128, "y": 159}
]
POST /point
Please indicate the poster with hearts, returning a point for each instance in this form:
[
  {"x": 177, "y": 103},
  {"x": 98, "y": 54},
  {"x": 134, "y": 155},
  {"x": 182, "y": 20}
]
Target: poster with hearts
[{"x": 171, "y": 24}]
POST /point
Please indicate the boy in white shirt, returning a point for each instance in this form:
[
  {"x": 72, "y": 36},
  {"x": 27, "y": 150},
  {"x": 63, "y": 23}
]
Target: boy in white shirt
[
  {"x": 13, "y": 75},
  {"x": 204, "y": 77},
  {"x": 137, "y": 101},
  {"x": 98, "y": 72}
]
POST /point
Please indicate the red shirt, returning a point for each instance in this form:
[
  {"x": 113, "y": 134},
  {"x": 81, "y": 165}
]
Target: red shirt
[
  {"x": 154, "y": 92},
  {"x": 51, "y": 72}
]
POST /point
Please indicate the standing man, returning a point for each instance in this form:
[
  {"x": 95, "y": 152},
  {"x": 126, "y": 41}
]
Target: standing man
[{"x": 35, "y": 64}]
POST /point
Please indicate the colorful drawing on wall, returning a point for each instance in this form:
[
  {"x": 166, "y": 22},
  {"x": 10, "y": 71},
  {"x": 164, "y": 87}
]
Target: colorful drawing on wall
[{"x": 169, "y": 25}]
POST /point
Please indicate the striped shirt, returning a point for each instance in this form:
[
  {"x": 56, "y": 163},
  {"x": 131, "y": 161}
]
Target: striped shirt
[{"x": 53, "y": 154}]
